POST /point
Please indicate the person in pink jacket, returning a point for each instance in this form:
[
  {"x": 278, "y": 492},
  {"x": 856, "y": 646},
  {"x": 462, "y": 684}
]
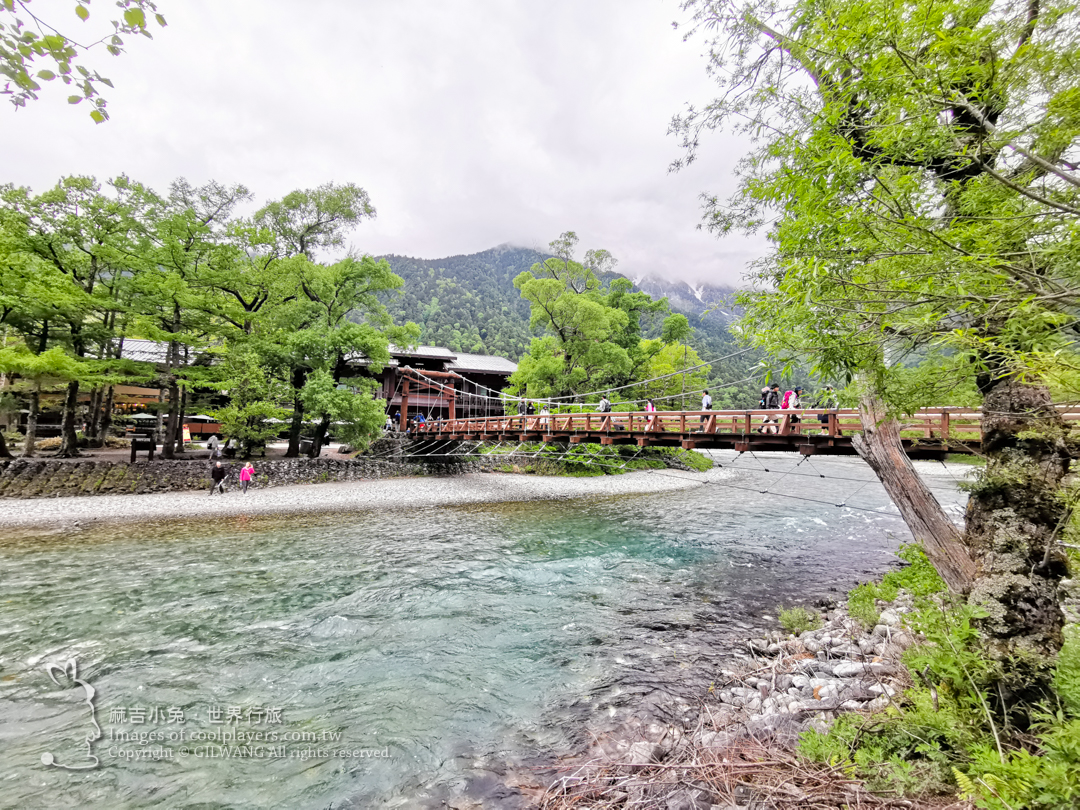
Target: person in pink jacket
[{"x": 246, "y": 473}]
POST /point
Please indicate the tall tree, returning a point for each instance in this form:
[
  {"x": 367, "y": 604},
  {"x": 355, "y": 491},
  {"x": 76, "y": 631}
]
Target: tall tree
[
  {"x": 83, "y": 233},
  {"x": 175, "y": 298},
  {"x": 336, "y": 317},
  {"x": 301, "y": 224},
  {"x": 593, "y": 330},
  {"x": 920, "y": 157}
]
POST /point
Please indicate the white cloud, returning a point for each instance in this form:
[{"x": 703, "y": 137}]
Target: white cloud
[{"x": 469, "y": 123}]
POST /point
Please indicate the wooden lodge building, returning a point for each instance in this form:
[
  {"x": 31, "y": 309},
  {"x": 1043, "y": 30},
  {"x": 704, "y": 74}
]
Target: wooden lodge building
[
  {"x": 440, "y": 382},
  {"x": 419, "y": 378}
]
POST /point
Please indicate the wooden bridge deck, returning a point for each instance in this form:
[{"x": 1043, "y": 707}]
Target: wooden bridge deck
[{"x": 929, "y": 433}]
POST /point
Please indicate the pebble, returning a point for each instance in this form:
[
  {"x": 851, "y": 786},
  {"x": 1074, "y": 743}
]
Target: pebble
[
  {"x": 840, "y": 676},
  {"x": 365, "y": 495},
  {"x": 889, "y": 618}
]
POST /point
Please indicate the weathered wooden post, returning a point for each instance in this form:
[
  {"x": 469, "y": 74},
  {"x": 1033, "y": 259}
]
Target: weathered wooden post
[{"x": 404, "y": 421}]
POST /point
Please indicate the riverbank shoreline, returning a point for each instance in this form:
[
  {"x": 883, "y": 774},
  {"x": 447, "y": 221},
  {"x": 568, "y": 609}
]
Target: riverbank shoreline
[{"x": 411, "y": 492}]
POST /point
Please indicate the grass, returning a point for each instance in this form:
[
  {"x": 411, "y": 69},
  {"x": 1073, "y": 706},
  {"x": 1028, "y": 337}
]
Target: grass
[
  {"x": 939, "y": 737},
  {"x": 918, "y": 577},
  {"x": 798, "y": 620}
]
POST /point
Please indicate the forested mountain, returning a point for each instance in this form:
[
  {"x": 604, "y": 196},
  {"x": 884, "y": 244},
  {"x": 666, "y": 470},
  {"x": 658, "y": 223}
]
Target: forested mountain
[{"x": 469, "y": 304}]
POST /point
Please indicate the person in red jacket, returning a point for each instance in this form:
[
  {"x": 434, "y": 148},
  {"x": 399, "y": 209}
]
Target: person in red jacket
[{"x": 246, "y": 474}]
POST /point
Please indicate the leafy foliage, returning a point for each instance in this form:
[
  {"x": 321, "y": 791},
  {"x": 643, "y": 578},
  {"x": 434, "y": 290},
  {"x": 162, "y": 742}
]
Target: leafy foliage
[
  {"x": 918, "y": 577},
  {"x": 28, "y": 39},
  {"x": 798, "y": 619}
]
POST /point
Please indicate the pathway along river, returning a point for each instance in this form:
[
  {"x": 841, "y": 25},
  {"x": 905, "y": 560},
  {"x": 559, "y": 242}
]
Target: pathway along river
[{"x": 459, "y": 642}]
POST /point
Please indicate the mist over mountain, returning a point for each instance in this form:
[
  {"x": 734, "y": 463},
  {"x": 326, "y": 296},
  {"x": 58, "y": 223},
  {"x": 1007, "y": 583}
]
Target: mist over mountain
[{"x": 702, "y": 300}]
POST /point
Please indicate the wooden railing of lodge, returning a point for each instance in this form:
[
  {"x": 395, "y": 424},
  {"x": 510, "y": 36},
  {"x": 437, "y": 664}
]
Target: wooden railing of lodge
[{"x": 952, "y": 428}]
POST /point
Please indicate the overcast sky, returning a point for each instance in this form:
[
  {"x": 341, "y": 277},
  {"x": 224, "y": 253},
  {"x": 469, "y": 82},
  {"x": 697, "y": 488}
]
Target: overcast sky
[{"x": 470, "y": 123}]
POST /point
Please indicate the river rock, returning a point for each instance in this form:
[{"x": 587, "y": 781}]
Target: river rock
[
  {"x": 640, "y": 753},
  {"x": 889, "y": 618},
  {"x": 846, "y": 650},
  {"x": 853, "y": 669}
]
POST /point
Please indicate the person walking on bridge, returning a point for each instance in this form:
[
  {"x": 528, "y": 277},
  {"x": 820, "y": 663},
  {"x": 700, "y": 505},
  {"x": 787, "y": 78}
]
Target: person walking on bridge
[
  {"x": 792, "y": 402},
  {"x": 827, "y": 399},
  {"x": 706, "y": 405},
  {"x": 772, "y": 403}
]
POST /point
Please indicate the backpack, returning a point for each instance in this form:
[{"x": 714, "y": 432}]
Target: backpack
[
  {"x": 788, "y": 395},
  {"x": 605, "y": 406}
]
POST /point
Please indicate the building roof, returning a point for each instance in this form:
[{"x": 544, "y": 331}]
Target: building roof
[
  {"x": 482, "y": 363},
  {"x": 145, "y": 351},
  {"x": 435, "y": 352}
]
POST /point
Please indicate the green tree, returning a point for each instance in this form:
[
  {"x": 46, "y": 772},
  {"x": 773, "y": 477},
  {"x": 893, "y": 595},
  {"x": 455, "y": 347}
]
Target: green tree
[
  {"x": 593, "y": 338},
  {"x": 914, "y": 161},
  {"x": 255, "y": 398},
  {"x": 27, "y": 39},
  {"x": 52, "y": 369},
  {"x": 174, "y": 298},
  {"x": 336, "y": 316},
  {"x": 306, "y": 221},
  {"x": 82, "y": 234}
]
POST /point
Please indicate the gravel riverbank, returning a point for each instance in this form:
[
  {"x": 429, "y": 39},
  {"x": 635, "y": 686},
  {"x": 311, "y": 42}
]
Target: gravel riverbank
[{"x": 395, "y": 493}]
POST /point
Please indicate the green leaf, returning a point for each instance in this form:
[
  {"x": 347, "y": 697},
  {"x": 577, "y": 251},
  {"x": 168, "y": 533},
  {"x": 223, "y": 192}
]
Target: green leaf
[
  {"x": 135, "y": 17},
  {"x": 47, "y": 75},
  {"x": 98, "y": 116},
  {"x": 74, "y": 99},
  {"x": 160, "y": 20},
  {"x": 82, "y": 11}
]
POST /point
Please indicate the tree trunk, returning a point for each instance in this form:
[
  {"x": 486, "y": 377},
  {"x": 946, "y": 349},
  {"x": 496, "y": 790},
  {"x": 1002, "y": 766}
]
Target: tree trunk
[
  {"x": 4, "y": 452},
  {"x": 180, "y": 421},
  {"x": 31, "y": 423},
  {"x": 880, "y": 446},
  {"x": 69, "y": 441},
  {"x": 299, "y": 377},
  {"x": 320, "y": 437},
  {"x": 159, "y": 426},
  {"x": 92, "y": 435},
  {"x": 105, "y": 422},
  {"x": 169, "y": 442},
  {"x": 1015, "y": 517}
]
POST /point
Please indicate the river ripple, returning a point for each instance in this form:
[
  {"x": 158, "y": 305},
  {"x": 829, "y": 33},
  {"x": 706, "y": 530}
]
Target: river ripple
[{"x": 455, "y": 640}]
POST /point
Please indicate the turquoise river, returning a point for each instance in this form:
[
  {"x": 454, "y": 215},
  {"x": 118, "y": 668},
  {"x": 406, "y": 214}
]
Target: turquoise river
[{"x": 399, "y": 658}]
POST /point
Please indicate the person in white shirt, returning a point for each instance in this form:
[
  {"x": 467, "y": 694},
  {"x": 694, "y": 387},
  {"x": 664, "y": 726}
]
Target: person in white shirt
[{"x": 706, "y": 405}]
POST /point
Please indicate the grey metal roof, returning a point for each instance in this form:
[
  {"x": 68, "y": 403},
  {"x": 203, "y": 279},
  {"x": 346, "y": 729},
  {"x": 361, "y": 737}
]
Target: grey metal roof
[
  {"x": 145, "y": 351},
  {"x": 438, "y": 352},
  {"x": 489, "y": 363}
]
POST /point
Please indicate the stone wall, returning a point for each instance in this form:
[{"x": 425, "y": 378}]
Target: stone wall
[
  {"x": 42, "y": 478},
  {"x": 45, "y": 478}
]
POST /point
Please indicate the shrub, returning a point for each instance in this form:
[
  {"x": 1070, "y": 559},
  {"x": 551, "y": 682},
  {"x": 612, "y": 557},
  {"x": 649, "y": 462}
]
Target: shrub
[
  {"x": 918, "y": 577},
  {"x": 798, "y": 619}
]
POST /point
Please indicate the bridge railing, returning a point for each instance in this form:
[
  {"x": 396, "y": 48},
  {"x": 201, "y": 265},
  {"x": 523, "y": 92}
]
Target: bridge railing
[{"x": 947, "y": 424}]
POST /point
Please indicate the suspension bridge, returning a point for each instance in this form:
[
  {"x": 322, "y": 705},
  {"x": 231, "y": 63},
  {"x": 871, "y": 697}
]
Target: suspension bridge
[{"x": 929, "y": 433}]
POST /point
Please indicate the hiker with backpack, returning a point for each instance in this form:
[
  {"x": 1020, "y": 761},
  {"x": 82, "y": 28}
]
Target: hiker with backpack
[
  {"x": 771, "y": 400},
  {"x": 792, "y": 401}
]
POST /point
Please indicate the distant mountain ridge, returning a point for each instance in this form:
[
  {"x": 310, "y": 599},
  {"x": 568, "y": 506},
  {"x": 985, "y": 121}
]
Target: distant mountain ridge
[
  {"x": 691, "y": 299},
  {"x": 468, "y": 303}
]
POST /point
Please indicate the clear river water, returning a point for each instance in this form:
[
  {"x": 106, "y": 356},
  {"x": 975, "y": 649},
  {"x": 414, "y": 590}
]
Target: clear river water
[{"x": 398, "y": 658}]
